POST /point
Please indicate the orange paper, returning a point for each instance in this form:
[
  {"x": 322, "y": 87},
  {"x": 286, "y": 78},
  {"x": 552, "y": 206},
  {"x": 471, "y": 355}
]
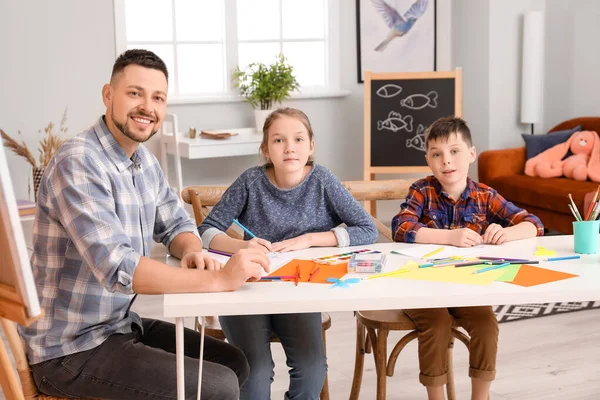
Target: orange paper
[
  {"x": 306, "y": 266},
  {"x": 529, "y": 275}
]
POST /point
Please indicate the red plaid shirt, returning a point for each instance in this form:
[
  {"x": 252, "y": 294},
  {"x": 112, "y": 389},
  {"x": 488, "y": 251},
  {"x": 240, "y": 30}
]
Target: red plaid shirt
[{"x": 428, "y": 205}]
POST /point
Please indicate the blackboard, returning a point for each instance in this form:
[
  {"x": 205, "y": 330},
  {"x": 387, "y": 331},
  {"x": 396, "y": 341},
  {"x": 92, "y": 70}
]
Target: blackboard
[{"x": 398, "y": 110}]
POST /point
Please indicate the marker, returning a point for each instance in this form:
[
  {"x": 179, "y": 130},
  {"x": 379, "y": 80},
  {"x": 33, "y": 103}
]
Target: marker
[
  {"x": 243, "y": 227},
  {"x": 562, "y": 258},
  {"x": 491, "y": 268},
  {"x": 433, "y": 252}
]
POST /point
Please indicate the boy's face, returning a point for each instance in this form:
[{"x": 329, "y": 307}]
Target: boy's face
[{"x": 450, "y": 160}]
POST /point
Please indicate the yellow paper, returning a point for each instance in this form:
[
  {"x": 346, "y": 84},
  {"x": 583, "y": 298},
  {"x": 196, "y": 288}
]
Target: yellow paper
[
  {"x": 542, "y": 251},
  {"x": 453, "y": 275}
]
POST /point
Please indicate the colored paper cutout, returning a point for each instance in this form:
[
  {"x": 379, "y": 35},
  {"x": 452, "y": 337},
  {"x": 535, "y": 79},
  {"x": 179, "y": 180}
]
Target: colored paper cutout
[
  {"x": 306, "y": 266},
  {"x": 544, "y": 252},
  {"x": 509, "y": 273},
  {"x": 529, "y": 275},
  {"x": 463, "y": 275}
]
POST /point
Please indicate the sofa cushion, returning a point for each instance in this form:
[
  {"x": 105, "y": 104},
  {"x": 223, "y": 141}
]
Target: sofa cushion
[
  {"x": 547, "y": 193},
  {"x": 536, "y": 144}
]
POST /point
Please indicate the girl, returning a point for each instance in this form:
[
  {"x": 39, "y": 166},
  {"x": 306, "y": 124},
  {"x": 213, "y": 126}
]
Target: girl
[{"x": 289, "y": 203}]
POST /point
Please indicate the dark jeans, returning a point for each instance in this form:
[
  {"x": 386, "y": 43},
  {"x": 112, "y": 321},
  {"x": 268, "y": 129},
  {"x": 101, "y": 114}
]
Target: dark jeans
[{"x": 142, "y": 366}]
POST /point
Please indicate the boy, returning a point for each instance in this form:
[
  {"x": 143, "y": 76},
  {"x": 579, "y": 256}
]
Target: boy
[{"x": 450, "y": 208}]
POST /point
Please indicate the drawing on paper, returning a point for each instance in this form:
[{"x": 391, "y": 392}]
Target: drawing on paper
[
  {"x": 419, "y": 101},
  {"x": 417, "y": 141},
  {"x": 389, "y": 90},
  {"x": 396, "y": 122}
]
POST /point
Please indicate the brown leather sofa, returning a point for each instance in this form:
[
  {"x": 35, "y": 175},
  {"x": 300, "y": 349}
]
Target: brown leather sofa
[{"x": 547, "y": 198}]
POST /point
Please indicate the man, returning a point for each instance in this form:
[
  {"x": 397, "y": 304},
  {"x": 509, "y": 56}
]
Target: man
[{"x": 101, "y": 201}]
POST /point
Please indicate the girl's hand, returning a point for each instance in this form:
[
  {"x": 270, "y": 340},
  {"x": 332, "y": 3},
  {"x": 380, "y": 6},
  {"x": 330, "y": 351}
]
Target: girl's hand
[
  {"x": 200, "y": 261},
  {"x": 494, "y": 234},
  {"x": 464, "y": 237},
  {"x": 297, "y": 243},
  {"x": 260, "y": 244}
]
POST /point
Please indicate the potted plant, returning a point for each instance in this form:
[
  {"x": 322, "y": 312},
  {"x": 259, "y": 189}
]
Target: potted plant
[{"x": 263, "y": 86}]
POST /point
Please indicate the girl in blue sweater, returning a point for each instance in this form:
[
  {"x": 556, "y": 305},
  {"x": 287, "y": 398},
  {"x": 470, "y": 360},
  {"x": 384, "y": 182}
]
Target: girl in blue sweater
[{"x": 290, "y": 203}]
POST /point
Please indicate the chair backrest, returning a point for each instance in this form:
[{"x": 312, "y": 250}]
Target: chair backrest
[
  {"x": 202, "y": 197},
  {"x": 27, "y": 389},
  {"x": 169, "y": 138}
]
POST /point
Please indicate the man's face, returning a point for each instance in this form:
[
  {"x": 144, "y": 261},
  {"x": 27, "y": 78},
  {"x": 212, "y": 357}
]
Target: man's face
[{"x": 136, "y": 100}]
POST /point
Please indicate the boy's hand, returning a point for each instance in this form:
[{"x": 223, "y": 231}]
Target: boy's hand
[
  {"x": 494, "y": 234},
  {"x": 464, "y": 237},
  {"x": 243, "y": 265},
  {"x": 261, "y": 244},
  {"x": 200, "y": 260},
  {"x": 297, "y": 243}
]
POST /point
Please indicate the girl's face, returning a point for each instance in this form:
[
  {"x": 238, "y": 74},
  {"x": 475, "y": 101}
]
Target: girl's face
[{"x": 288, "y": 145}]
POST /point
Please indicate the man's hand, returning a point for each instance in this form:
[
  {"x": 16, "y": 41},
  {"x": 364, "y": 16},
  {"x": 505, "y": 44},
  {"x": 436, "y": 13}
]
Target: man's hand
[
  {"x": 257, "y": 243},
  {"x": 297, "y": 243},
  {"x": 200, "y": 260},
  {"x": 464, "y": 237},
  {"x": 243, "y": 265},
  {"x": 494, "y": 234}
]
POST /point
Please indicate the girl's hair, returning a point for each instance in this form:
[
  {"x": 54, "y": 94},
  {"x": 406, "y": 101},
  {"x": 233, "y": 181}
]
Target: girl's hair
[{"x": 280, "y": 113}]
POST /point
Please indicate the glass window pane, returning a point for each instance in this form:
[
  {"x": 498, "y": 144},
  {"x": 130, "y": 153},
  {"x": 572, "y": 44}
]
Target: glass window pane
[
  {"x": 148, "y": 20},
  {"x": 303, "y": 19},
  {"x": 200, "y": 20},
  {"x": 200, "y": 68},
  {"x": 165, "y": 52},
  {"x": 265, "y": 53},
  {"x": 258, "y": 19},
  {"x": 308, "y": 59}
]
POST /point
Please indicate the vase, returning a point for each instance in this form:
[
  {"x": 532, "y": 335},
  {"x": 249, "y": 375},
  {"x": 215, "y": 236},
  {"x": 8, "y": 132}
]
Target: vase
[
  {"x": 37, "y": 178},
  {"x": 259, "y": 118}
]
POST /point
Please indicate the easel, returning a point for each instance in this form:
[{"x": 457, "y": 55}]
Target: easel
[
  {"x": 18, "y": 297},
  {"x": 369, "y": 170}
]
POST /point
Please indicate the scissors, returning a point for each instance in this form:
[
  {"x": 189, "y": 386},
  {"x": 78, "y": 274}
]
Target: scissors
[{"x": 343, "y": 284}]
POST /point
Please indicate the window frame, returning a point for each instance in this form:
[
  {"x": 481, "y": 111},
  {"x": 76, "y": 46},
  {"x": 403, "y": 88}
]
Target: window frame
[{"x": 332, "y": 56}]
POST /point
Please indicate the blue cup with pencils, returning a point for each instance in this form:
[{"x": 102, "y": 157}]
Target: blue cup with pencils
[{"x": 586, "y": 236}]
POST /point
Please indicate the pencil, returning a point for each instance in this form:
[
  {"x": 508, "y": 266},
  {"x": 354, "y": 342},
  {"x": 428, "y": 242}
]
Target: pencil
[
  {"x": 592, "y": 205},
  {"x": 276, "y": 277},
  {"x": 562, "y": 258},
  {"x": 314, "y": 271},
  {"x": 223, "y": 253},
  {"x": 384, "y": 274},
  {"x": 244, "y": 228},
  {"x": 297, "y": 276},
  {"x": 433, "y": 252},
  {"x": 491, "y": 268}
]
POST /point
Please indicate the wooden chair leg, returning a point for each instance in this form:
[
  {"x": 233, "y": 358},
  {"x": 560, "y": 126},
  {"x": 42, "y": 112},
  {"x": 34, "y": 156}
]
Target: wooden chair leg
[
  {"x": 325, "y": 389},
  {"x": 406, "y": 339},
  {"x": 359, "y": 360},
  {"x": 450, "y": 371},
  {"x": 379, "y": 343},
  {"x": 367, "y": 344}
]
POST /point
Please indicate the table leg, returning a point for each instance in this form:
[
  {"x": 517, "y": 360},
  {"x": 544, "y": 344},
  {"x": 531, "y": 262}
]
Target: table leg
[
  {"x": 179, "y": 354},
  {"x": 201, "y": 358}
]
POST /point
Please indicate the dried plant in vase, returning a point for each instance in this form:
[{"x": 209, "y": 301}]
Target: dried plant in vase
[{"x": 48, "y": 147}]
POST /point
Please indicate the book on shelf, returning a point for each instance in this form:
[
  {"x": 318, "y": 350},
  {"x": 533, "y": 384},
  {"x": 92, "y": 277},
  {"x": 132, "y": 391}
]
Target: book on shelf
[
  {"x": 26, "y": 207},
  {"x": 216, "y": 134}
]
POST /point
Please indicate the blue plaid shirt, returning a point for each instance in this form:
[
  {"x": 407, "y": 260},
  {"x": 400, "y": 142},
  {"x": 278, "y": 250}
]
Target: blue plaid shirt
[{"x": 98, "y": 212}]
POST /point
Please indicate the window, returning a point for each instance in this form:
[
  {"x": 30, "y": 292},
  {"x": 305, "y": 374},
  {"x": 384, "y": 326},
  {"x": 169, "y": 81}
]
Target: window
[{"x": 202, "y": 41}]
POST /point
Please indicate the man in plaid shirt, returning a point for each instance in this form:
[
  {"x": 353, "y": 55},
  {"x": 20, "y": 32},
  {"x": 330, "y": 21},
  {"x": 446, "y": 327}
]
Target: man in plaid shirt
[{"x": 101, "y": 202}]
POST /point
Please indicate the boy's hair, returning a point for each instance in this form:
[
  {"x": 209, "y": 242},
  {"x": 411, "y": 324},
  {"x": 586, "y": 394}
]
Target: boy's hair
[
  {"x": 446, "y": 126},
  {"x": 280, "y": 113},
  {"x": 143, "y": 58}
]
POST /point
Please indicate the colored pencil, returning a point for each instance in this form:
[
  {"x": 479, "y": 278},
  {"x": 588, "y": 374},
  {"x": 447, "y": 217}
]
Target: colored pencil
[
  {"x": 501, "y": 258},
  {"x": 222, "y": 253},
  {"x": 562, "y": 258},
  {"x": 297, "y": 276},
  {"x": 592, "y": 205},
  {"x": 491, "y": 268},
  {"x": 427, "y": 265},
  {"x": 244, "y": 228},
  {"x": 384, "y": 274},
  {"x": 314, "y": 271},
  {"x": 276, "y": 277},
  {"x": 433, "y": 252}
]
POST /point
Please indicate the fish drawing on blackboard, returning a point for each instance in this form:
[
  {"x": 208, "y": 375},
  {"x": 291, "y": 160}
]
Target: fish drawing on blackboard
[
  {"x": 417, "y": 141},
  {"x": 419, "y": 101},
  {"x": 389, "y": 90},
  {"x": 396, "y": 122}
]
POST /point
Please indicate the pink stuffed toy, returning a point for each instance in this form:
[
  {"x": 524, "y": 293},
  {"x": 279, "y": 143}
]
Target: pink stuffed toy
[{"x": 583, "y": 164}]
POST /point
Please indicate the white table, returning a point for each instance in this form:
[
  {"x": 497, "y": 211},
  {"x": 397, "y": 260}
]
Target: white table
[
  {"x": 380, "y": 294},
  {"x": 179, "y": 144}
]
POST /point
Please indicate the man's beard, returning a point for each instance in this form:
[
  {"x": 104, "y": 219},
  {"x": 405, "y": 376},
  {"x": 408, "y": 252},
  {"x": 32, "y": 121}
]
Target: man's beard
[{"x": 124, "y": 128}]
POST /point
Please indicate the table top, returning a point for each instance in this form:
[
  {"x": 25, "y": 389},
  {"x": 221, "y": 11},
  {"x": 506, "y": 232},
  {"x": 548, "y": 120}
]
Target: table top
[{"x": 392, "y": 293}]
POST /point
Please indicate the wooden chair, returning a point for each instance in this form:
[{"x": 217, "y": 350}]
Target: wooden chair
[
  {"x": 373, "y": 327},
  {"x": 27, "y": 389},
  {"x": 202, "y": 197}
]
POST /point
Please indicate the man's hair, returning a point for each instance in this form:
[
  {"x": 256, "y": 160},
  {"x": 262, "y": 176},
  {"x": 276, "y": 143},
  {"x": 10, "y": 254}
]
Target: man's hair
[
  {"x": 143, "y": 58},
  {"x": 442, "y": 128}
]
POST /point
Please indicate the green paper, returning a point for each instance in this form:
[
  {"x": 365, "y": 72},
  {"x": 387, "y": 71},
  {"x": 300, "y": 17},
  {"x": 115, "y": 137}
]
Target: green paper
[{"x": 509, "y": 273}]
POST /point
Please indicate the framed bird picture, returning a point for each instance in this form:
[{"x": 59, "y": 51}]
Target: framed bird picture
[{"x": 395, "y": 36}]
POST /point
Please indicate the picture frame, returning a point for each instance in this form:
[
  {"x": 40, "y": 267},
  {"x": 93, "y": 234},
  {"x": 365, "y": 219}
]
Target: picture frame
[{"x": 411, "y": 49}]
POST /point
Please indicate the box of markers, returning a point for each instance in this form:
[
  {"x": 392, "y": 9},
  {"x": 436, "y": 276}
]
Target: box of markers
[{"x": 370, "y": 262}]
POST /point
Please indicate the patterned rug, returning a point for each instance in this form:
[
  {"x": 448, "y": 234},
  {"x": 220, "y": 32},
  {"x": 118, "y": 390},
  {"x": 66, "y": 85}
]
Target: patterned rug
[{"x": 509, "y": 313}]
